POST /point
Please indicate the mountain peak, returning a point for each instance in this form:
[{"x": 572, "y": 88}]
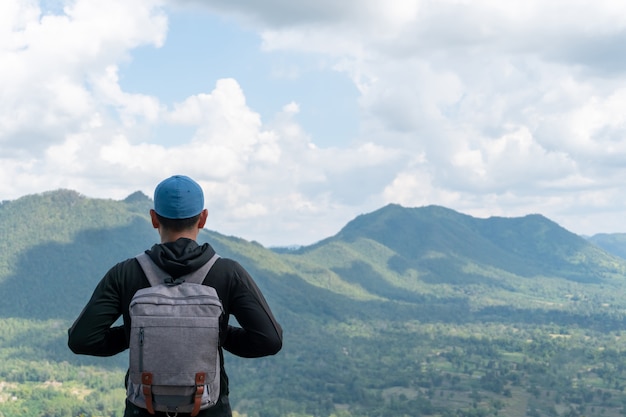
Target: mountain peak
[
  {"x": 137, "y": 197},
  {"x": 531, "y": 245}
]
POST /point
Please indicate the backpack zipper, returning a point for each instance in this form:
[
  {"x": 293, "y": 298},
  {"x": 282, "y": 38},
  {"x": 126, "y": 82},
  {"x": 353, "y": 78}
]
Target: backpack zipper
[{"x": 141, "y": 349}]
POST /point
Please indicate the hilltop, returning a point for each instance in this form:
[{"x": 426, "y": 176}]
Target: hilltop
[{"x": 400, "y": 302}]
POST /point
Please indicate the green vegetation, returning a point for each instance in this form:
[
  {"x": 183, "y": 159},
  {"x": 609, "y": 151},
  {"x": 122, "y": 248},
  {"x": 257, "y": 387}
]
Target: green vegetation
[
  {"x": 614, "y": 243},
  {"x": 405, "y": 312}
]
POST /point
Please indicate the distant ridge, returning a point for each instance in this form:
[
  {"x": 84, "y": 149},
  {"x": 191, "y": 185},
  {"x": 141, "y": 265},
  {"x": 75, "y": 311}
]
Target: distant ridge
[
  {"x": 614, "y": 243},
  {"x": 391, "y": 254},
  {"x": 528, "y": 246},
  {"x": 400, "y": 303}
]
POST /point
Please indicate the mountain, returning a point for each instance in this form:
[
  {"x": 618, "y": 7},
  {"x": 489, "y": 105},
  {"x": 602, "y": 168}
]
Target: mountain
[
  {"x": 436, "y": 254},
  {"x": 60, "y": 244},
  {"x": 405, "y": 311},
  {"x": 614, "y": 243},
  {"x": 436, "y": 239}
]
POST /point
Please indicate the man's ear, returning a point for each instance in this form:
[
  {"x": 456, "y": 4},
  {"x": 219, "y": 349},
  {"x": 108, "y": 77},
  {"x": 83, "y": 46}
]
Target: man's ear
[
  {"x": 155, "y": 220},
  {"x": 204, "y": 214}
]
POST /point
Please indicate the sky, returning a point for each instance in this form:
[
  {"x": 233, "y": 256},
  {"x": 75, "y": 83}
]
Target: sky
[{"x": 296, "y": 117}]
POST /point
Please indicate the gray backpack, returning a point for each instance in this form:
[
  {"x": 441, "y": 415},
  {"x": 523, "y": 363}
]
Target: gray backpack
[{"x": 174, "y": 342}]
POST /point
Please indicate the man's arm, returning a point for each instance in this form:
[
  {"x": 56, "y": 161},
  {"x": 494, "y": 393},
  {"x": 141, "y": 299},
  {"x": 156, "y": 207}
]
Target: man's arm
[
  {"x": 91, "y": 333},
  {"x": 260, "y": 334}
]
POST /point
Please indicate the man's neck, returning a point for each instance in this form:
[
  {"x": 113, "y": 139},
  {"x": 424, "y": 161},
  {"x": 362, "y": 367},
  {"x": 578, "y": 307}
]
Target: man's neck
[{"x": 167, "y": 236}]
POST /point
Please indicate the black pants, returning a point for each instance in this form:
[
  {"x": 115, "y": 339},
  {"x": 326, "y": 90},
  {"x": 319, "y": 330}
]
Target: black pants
[{"x": 221, "y": 409}]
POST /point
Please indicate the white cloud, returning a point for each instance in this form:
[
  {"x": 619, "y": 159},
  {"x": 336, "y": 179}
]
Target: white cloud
[
  {"x": 285, "y": 13},
  {"x": 107, "y": 91},
  {"x": 486, "y": 107},
  {"x": 506, "y": 101},
  {"x": 50, "y": 60}
]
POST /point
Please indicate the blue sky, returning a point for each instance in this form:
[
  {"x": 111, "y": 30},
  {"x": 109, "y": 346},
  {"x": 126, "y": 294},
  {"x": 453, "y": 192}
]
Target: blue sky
[
  {"x": 297, "y": 117},
  {"x": 272, "y": 79}
]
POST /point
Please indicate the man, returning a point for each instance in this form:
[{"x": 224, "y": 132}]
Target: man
[{"x": 178, "y": 215}]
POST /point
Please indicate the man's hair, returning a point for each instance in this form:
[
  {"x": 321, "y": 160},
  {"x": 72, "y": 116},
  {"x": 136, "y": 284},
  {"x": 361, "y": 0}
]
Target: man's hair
[{"x": 178, "y": 225}]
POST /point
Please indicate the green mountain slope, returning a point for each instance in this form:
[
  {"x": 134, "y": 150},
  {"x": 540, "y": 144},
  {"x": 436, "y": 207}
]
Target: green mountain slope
[
  {"x": 436, "y": 254},
  {"x": 405, "y": 311},
  {"x": 614, "y": 243},
  {"x": 57, "y": 217},
  {"x": 59, "y": 244},
  {"x": 432, "y": 238}
]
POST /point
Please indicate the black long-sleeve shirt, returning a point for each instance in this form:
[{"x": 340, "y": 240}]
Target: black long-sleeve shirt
[{"x": 259, "y": 334}]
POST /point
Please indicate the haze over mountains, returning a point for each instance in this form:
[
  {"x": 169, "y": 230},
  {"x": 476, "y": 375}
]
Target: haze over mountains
[{"x": 394, "y": 274}]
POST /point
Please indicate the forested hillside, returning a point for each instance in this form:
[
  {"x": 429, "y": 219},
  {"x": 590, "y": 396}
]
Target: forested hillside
[
  {"x": 405, "y": 311},
  {"x": 614, "y": 243}
]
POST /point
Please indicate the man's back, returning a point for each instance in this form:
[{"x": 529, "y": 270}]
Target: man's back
[{"x": 178, "y": 254}]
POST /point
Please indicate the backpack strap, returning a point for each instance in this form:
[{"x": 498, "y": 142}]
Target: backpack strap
[
  {"x": 200, "y": 274},
  {"x": 157, "y": 276}
]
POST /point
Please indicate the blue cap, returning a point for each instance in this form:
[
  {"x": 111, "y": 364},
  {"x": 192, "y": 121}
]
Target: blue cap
[{"x": 178, "y": 197}]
